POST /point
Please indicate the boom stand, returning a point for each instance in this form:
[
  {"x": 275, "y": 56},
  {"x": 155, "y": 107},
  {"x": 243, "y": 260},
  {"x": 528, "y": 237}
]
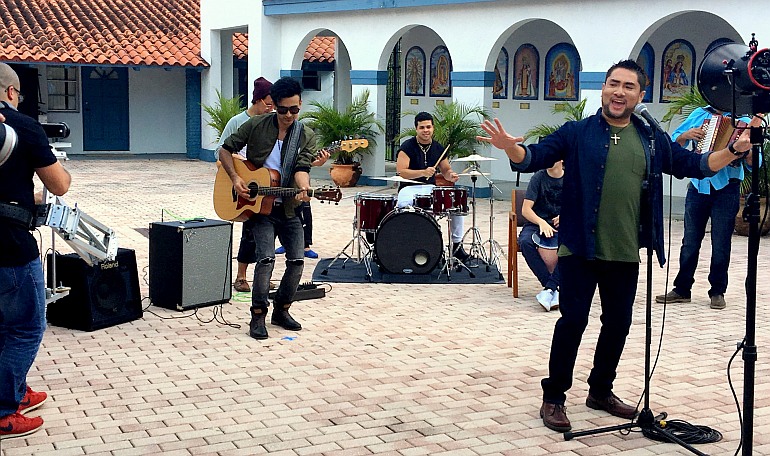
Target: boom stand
[
  {"x": 477, "y": 245},
  {"x": 646, "y": 421},
  {"x": 495, "y": 251}
]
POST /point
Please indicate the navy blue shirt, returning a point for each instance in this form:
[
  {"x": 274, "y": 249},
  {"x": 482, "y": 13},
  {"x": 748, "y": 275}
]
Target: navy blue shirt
[
  {"x": 583, "y": 145},
  {"x": 17, "y": 245}
]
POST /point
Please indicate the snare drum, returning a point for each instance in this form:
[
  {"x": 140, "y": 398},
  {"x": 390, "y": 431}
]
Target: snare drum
[
  {"x": 450, "y": 200},
  {"x": 371, "y": 209},
  {"x": 424, "y": 202}
]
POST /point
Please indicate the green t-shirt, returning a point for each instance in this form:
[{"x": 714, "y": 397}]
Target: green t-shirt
[{"x": 617, "y": 228}]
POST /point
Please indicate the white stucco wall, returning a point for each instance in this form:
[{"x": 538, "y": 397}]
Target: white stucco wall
[
  {"x": 602, "y": 32},
  {"x": 157, "y": 109}
]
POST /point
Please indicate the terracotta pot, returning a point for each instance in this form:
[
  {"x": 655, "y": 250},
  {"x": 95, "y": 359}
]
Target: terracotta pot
[
  {"x": 345, "y": 175},
  {"x": 742, "y": 227}
]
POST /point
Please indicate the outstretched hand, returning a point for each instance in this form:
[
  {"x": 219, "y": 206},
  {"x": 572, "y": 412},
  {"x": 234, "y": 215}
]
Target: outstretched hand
[{"x": 498, "y": 137}]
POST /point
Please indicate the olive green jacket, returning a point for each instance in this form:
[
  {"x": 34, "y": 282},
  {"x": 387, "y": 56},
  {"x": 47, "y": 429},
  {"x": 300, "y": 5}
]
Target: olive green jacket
[{"x": 259, "y": 135}]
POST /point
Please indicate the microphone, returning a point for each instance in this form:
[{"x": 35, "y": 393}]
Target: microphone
[{"x": 641, "y": 110}]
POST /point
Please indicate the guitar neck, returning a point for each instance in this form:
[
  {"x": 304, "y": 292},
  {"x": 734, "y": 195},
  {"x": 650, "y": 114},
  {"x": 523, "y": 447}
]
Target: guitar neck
[{"x": 282, "y": 191}]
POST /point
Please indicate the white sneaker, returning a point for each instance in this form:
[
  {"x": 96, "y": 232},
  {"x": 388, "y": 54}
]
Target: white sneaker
[
  {"x": 555, "y": 300},
  {"x": 544, "y": 298}
]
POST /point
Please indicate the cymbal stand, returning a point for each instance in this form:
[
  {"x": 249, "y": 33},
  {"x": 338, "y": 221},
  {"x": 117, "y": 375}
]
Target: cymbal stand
[
  {"x": 495, "y": 250},
  {"x": 477, "y": 251},
  {"x": 450, "y": 262},
  {"x": 356, "y": 244}
]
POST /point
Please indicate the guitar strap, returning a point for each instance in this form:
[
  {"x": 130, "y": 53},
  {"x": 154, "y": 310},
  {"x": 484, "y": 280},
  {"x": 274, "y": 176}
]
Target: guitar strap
[{"x": 292, "y": 152}]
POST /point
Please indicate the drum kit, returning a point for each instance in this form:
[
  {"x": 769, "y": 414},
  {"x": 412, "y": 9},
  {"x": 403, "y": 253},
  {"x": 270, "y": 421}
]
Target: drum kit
[{"x": 408, "y": 240}]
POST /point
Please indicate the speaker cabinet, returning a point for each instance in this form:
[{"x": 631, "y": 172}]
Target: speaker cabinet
[
  {"x": 101, "y": 295},
  {"x": 190, "y": 263}
]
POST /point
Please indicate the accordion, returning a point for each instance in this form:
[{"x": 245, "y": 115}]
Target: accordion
[{"x": 719, "y": 133}]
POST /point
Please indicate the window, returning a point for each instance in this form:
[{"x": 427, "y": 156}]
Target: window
[{"x": 62, "y": 88}]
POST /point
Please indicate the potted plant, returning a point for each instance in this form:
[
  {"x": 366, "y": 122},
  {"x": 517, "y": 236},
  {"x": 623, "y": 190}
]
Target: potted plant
[
  {"x": 331, "y": 125},
  {"x": 456, "y": 125},
  {"x": 222, "y": 111}
]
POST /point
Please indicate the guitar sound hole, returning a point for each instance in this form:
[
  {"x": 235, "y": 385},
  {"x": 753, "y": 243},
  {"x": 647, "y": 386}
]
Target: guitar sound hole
[{"x": 253, "y": 189}]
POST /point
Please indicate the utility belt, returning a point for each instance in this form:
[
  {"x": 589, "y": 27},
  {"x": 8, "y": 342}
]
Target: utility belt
[{"x": 23, "y": 217}]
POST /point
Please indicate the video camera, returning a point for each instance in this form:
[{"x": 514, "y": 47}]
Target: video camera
[{"x": 56, "y": 130}]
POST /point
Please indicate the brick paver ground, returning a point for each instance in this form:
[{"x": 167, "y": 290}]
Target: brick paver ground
[{"x": 378, "y": 368}]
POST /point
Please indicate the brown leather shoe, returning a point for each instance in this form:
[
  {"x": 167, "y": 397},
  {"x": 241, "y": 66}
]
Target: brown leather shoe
[
  {"x": 612, "y": 405},
  {"x": 555, "y": 417},
  {"x": 241, "y": 285}
]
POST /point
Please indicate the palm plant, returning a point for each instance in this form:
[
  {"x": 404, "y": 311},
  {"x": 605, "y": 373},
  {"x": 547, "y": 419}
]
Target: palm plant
[
  {"x": 570, "y": 111},
  {"x": 355, "y": 121},
  {"x": 455, "y": 125},
  {"x": 683, "y": 106},
  {"x": 222, "y": 111}
]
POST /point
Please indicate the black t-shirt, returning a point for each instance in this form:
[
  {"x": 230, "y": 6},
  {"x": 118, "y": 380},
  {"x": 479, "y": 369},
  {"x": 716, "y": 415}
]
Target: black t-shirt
[
  {"x": 421, "y": 160},
  {"x": 18, "y": 245},
  {"x": 545, "y": 191}
]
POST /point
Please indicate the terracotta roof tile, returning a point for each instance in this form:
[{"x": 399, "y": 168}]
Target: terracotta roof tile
[
  {"x": 135, "y": 32},
  {"x": 320, "y": 49}
]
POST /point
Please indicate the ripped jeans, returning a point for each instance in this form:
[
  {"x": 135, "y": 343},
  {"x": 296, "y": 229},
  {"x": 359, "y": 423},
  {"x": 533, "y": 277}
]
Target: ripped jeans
[{"x": 264, "y": 230}]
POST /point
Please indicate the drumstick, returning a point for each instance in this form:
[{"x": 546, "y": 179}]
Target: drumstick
[{"x": 442, "y": 156}]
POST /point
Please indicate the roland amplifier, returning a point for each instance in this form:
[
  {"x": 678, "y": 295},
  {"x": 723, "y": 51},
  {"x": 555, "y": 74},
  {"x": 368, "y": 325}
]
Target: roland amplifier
[
  {"x": 102, "y": 295},
  {"x": 190, "y": 263}
]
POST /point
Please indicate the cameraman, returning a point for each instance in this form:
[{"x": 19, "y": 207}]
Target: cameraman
[{"x": 22, "y": 287}]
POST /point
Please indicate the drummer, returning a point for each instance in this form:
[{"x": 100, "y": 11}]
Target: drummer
[{"x": 417, "y": 158}]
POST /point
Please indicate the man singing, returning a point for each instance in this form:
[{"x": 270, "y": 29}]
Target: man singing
[{"x": 607, "y": 159}]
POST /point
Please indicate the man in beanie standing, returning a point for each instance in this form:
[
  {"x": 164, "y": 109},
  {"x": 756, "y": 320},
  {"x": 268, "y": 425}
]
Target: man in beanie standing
[{"x": 261, "y": 103}]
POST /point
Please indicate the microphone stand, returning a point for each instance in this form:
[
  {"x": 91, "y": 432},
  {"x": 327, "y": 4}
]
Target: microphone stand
[{"x": 647, "y": 422}]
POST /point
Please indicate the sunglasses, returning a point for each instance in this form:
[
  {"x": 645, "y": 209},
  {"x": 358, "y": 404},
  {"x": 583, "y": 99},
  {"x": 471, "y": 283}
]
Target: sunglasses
[{"x": 284, "y": 109}]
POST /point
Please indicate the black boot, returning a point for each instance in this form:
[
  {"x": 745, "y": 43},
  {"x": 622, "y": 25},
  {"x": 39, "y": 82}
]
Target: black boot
[
  {"x": 257, "y": 328},
  {"x": 282, "y": 318},
  {"x": 459, "y": 252}
]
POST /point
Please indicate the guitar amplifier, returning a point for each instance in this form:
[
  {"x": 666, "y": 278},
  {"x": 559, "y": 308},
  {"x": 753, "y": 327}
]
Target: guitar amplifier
[{"x": 190, "y": 263}]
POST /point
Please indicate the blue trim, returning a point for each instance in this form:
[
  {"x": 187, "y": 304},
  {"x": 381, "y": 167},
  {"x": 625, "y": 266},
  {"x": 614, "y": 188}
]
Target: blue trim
[
  {"x": 368, "y": 77},
  {"x": 193, "y": 122},
  {"x": 592, "y": 80},
  {"x": 279, "y": 7},
  {"x": 296, "y": 74},
  {"x": 206, "y": 155},
  {"x": 366, "y": 181},
  {"x": 481, "y": 192},
  {"x": 472, "y": 78}
]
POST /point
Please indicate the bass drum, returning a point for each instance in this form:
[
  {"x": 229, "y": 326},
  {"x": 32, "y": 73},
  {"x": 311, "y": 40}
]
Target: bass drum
[{"x": 408, "y": 241}]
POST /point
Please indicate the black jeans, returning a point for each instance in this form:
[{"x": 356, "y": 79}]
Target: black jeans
[{"x": 580, "y": 277}]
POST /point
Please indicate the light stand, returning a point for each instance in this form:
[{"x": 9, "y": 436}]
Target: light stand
[
  {"x": 736, "y": 78},
  {"x": 646, "y": 421},
  {"x": 751, "y": 214}
]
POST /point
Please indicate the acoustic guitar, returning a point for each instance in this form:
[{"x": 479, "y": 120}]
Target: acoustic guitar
[{"x": 264, "y": 187}]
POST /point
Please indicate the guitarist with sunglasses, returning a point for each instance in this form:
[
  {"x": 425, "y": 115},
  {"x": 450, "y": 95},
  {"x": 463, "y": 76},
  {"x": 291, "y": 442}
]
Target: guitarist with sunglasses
[{"x": 278, "y": 142}]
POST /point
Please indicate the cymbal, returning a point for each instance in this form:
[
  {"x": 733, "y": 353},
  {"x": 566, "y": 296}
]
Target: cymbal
[
  {"x": 397, "y": 179},
  {"x": 474, "y": 173},
  {"x": 474, "y": 158}
]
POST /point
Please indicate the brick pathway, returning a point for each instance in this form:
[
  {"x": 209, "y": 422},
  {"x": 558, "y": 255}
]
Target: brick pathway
[{"x": 377, "y": 369}]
